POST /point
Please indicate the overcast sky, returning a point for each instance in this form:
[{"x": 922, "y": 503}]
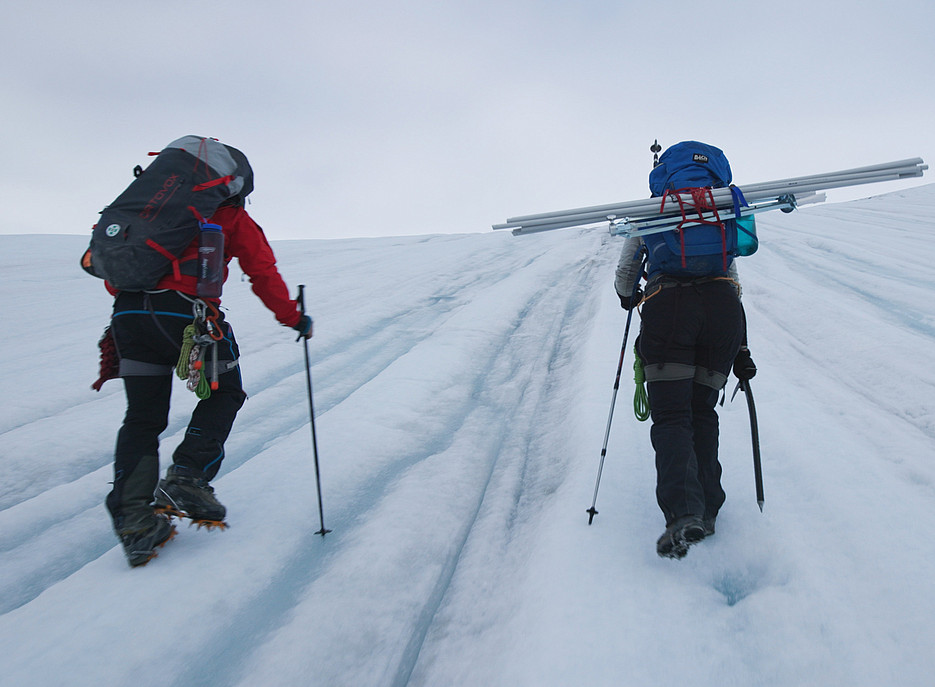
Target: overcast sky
[{"x": 366, "y": 118}]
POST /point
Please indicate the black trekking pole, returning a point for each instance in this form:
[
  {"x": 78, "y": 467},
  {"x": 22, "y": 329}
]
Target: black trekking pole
[
  {"x": 592, "y": 511},
  {"x": 311, "y": 412},
  {"x": 755, "y": 436}
]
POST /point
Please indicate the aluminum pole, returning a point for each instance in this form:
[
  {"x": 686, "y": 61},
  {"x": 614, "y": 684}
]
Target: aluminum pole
[
  {"x": 722, "y": 198},
  {"x": 771, "y": 190},
  {"x": 614, "y": 207}
]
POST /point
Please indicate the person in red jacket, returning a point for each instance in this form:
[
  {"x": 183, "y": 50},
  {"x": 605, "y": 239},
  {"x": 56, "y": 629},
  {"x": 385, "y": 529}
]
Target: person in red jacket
[{"x": 148, "y": 329}]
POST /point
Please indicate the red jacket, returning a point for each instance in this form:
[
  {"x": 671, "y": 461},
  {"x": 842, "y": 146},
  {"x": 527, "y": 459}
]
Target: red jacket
[{"x": 244, "y": 240}]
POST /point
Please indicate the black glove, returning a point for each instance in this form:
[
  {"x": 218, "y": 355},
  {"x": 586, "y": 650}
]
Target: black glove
[
  {"x": 630, "y": 302},
  {"x": 744, "y": 368},
  {"x": 303, "y": 327}
]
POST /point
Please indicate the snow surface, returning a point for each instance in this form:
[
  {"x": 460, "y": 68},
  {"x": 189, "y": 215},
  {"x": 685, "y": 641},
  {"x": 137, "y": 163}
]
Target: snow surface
[{"x": 462, "y": 387}]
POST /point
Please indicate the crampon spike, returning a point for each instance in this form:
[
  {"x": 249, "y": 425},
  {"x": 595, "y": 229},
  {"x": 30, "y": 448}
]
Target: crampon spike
[
  {"x": 210, "y": 524},
  {"x": 172, "y": 512}
]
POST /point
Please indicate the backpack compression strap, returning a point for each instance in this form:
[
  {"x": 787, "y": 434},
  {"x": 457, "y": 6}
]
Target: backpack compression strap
[
  {"x": 174, "y": 261},
  {"x": 214, "y": 182},
  {"x": 176, "y": 271}
]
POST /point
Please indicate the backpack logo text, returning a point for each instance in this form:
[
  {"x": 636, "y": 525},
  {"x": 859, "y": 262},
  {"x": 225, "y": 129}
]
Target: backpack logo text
[{"x": 162, "y": 195}]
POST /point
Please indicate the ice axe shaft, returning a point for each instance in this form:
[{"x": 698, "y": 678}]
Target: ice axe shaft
[{"x": 755, "y": 438}]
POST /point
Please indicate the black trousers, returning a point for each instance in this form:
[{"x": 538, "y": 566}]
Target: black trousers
[
  {"x": 148, "y": 329},
  {"x": 689, "y": 337}
]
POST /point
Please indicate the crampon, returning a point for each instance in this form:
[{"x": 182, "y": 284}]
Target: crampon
[{"x": 173, "y": 512}]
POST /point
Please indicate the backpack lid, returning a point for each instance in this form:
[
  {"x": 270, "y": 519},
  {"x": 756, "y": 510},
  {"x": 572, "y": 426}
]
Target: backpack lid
[
  {"x": 225, "y": 160},
  {"x": 244, "y": 170},
  {"x": 690, "y": 164}
]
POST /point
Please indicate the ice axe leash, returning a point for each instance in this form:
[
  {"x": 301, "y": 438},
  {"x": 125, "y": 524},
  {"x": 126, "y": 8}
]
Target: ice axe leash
[
  {"x": 592, "y": 511},
  {"x": 755, "y": 437},
  {"x": 311, "y": 413}
]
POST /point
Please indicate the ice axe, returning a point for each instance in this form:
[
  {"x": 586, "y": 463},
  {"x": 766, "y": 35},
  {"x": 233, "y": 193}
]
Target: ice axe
[{"x": 755, "y": 437}]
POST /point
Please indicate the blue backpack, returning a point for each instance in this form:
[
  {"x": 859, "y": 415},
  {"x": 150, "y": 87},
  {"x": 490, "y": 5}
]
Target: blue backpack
[{"x": 698, "y": 247}]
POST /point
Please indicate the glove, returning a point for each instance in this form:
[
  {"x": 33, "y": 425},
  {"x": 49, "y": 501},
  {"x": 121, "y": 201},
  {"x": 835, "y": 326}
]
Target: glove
[
  {"x": 744, "y": 368},
  {"x": 303, "y": 327},
  {"x": 630, "y": 302}
]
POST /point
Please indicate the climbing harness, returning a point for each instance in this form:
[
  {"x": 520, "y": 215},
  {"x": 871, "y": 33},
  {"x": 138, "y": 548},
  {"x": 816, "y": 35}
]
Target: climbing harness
[{"x": 661, "y": 283}]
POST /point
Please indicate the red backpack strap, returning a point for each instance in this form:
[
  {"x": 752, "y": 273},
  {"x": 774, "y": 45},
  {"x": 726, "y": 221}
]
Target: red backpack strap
[
  {"x": 176, "y": 272},
  {"x": 214, "y": 182},
  {"x": 702, "y": 200}
]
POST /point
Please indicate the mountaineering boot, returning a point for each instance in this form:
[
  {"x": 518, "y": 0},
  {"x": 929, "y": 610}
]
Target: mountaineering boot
[
  {"x": 678, "y": 536},
  {"x": 140, "y": 530},
  {"x": 141, "y": 542},
  {"x": 183, "y": 494}
]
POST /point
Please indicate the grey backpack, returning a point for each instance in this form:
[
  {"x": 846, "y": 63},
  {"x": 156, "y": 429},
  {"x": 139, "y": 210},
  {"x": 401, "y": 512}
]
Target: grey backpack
[{"x": 141, "y": 235}]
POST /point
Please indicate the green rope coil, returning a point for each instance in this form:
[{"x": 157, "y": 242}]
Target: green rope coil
[
  {"x": 640, "y": 399},
  {"x": 188, "y": 342},
  {"x": 203, "y": 390},
  {"x": 183, "y": 369}
]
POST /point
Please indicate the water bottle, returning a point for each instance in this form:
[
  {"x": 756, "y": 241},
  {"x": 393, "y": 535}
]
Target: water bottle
[
  {"x": 210, "y": 261},
  {"x": 747, "y": 242}
]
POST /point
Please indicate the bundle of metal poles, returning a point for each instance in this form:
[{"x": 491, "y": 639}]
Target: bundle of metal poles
[{"x": 641, "y": 216}]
